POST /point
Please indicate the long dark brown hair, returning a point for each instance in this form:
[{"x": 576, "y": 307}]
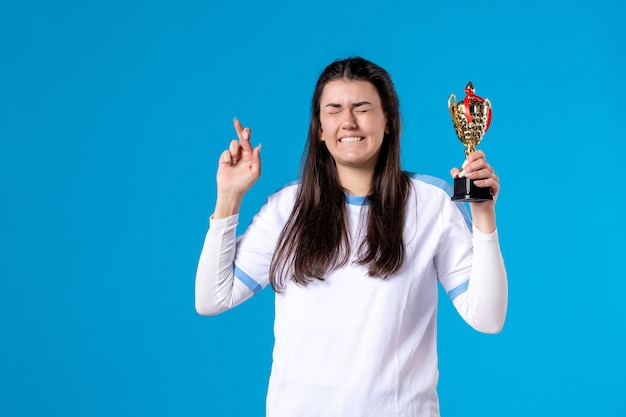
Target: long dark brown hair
[{"x": 315, "y": 239}]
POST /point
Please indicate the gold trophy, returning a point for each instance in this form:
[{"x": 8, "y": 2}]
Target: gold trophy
[{"x": 471, "y": 118}]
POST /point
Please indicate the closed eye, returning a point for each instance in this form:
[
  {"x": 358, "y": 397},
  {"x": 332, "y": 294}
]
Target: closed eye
[
  {"x": 333, "y": 108},
  {"x": 362, "y": 106}
]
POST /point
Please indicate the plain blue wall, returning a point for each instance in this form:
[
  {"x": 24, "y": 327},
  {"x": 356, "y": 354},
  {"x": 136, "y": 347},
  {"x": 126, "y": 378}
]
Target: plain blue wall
[{"x": 113, "y": 115}]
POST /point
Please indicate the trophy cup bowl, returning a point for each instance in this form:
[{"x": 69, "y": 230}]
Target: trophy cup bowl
[{"x": 471, "y": 118}]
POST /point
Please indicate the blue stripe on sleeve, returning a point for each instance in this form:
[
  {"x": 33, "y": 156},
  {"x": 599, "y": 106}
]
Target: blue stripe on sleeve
[
  {"x": 455, "y": 292},
  {"x": 247, "y": 280}
]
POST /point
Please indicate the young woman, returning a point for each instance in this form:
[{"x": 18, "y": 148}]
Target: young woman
[{"x": 354, "y": 251}]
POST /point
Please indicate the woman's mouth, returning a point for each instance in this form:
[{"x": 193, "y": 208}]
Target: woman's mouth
[{"x": 351, "y": 139}]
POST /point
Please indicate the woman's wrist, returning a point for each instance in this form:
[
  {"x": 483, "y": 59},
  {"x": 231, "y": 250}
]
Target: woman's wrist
[
  {"x": 484, "y": 219},
  {"x": 226, "y": 206}
]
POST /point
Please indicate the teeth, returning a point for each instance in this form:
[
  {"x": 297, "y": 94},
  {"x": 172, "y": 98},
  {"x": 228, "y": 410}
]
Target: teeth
[{"x": 351, "y": 139}]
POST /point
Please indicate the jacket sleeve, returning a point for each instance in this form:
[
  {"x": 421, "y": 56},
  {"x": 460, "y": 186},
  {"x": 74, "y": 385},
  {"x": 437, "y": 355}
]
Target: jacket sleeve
[
  {"x": 484, "y": 304},
  {"x": 217, "y": 289}
]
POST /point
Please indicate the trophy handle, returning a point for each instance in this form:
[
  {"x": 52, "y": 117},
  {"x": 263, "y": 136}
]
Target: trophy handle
[
  {"x": 450, "y": 104},
  {"x": 488, "y": 113}
]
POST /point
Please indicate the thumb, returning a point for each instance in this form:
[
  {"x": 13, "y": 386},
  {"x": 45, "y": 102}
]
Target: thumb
[{"x": 256, "y": 158}]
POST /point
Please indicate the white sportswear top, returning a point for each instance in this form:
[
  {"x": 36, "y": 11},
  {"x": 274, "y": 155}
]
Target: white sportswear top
[{"x": 353, "y": 345}]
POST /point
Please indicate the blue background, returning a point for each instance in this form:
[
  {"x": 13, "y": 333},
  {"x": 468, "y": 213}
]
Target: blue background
[{"x": 113, "y": 115}]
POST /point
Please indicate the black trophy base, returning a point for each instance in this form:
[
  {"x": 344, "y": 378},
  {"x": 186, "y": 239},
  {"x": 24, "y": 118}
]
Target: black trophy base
[{"x": 466, "y": 190}]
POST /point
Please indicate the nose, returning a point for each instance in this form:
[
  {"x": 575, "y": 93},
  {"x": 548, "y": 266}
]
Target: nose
[{"x": 348, "y": 120}]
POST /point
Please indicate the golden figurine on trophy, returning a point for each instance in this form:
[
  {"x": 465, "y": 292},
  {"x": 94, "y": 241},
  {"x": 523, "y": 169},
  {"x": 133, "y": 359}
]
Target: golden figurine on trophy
[{"x": 471, "y": 118}]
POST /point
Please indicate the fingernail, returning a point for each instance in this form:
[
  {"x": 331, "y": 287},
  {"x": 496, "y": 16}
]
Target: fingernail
[
  {"x": 259, "y": 148},
  {"x": 461, "y": 174},
  {"x": 234, "y": 161},
  {"x": 246, "y": 134},
  {"x": 464, "y": 164}
]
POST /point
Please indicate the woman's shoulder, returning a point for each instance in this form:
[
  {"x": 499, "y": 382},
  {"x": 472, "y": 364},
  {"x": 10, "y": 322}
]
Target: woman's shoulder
[
  {"x": 422, "y": 182},
  {"x": 278, "y": 205},
  {"x": 289, "y": 190},
  {"x": 433, "y": 195},
  {"x": 284, "y": 198}
]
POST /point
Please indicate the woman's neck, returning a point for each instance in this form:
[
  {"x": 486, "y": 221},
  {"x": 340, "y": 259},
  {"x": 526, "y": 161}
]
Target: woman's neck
[{"x": 355, "y": 181}]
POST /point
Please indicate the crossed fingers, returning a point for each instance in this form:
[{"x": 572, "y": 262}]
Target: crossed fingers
[{"x": 241, "y": 147}]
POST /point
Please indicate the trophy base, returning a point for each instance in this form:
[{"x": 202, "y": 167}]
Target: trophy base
[{"x": 466, "y": 190}]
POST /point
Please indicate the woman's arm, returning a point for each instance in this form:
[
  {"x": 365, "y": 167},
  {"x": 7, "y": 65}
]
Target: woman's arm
[
  {"x": 484, "y": 304},
  {"x": 217, "y": 290},
  {"x": 239, "y": 168}
]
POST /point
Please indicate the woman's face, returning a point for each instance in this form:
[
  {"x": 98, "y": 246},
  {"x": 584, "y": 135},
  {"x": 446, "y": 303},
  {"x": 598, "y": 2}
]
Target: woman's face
[{"x": 353, "y": 123}]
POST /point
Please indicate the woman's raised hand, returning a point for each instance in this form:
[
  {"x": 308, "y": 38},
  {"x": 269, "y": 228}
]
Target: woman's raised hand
[
  {"x": 477, "y": 168},
  {"x": 239, "y": 168}
]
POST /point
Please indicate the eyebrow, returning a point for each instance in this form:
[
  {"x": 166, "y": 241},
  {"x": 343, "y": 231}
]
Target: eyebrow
[{"x": 358, "y": 104}]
